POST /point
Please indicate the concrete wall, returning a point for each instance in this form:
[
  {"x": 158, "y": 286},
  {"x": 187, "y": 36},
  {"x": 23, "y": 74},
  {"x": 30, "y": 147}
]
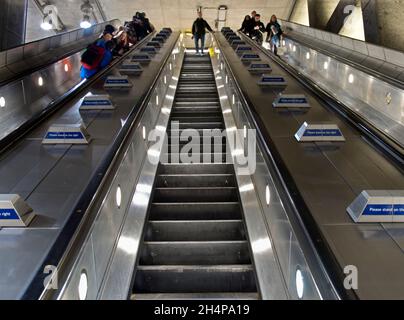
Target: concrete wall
[
  {"x": 34, "y": 20},
  {"x": 320, "y": 11},
  {"x": 12, "y": 23},
  {"x": 353, "y": 27},
  {"x": 390, "y": 15},
  {"x": 300, "y": 13}
]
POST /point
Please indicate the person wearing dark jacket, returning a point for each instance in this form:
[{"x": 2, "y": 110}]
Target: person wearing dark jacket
[
  {"x": 275, "y": 33},
  {"x": 199, "y": 32},
  {"x": 245, "y": 27},
  {"x": 257, "y": 28}
]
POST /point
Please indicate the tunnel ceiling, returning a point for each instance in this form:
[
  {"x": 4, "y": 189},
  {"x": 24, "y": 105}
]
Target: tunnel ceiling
[{"x": 177, "y": 14}]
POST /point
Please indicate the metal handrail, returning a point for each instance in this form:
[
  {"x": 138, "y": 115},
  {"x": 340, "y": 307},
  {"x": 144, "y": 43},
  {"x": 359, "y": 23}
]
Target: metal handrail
[
  {"x": 314, "y": 258},
  {"x": 73, "y": 232}
]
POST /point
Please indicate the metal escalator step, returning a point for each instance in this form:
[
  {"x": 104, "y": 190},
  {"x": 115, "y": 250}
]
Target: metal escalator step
[
  {"x": 195, "y": 253},
  {"x": 198, "y": 147},
  {"x": 196, "y": 104},
  {"x": 196, "y": 158},
  {"x": 195, "y": 242},
  {"x": 194, "y": 211},
  {"x": 195, "y": 194},
  {"x": 196, "y": 169},
  {"x": 195, "y": 180},
  {"x": 197, "y": 296},
  {"x": 195, "y": 279},
  {"x": 200, "y": 125},
  {"x": 196, "y": 117},
  {"x": 191, "y": 230}
]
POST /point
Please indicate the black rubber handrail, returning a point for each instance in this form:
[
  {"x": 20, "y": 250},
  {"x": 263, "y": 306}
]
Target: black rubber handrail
[
  {"x": 36, "y": 288},
  {"x": 322, "y": 258}
]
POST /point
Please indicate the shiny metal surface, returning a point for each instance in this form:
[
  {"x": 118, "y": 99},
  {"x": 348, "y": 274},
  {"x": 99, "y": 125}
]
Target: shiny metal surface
[
  {"x": 29, "y": 96},
  {"x": 379, "y": 102},
  {"x": 373, "y": 59},
  {"x": 214, "y": 260},
  {"x": 116, "y": 234},
  {"x": 271, "y": 281},
  {"x": 329, "y": 177},
  {"x": 52, "y": 178},
  {"x": 32, "y": 56}
]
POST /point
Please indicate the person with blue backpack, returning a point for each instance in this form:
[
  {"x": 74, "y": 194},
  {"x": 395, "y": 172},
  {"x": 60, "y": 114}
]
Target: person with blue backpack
[{"x": 99, "y": 54}]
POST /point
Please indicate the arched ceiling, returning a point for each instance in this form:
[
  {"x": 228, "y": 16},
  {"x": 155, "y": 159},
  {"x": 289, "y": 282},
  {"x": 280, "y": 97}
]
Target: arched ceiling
[{"x": 178, "y": 14}]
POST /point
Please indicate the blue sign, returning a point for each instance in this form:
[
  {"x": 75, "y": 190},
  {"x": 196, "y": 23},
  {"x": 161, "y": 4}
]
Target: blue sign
[
  {"x": 273, "y": 79},
  {"x": 293, "y": 100},
  {"x": 140, "y": 57},
  {"x": 260, "y": 66},
  {"x": 117, "y": 81},
  {"x": 148, "y": 49},
  {"x": 8, "y": 214},
  {"x": 64, "y": 136},
  {"x": 251, "y": 56},
  {"x": 244, "y": 49},
  {"x": 130, "y": 67},
  {"x": 96, "y": 103},
  {"x": 322, "y": 133}
]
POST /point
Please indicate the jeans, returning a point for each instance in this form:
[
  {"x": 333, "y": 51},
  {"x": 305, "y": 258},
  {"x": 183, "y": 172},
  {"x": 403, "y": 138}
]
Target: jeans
[
  {"x": 198, "y": 37},
  {"x": 276, "y": 41}
]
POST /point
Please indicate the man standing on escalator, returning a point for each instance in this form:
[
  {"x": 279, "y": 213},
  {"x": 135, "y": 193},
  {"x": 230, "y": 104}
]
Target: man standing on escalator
[
  {"x": 199, "y": 32},
  {"x": 257, "y": 29}
]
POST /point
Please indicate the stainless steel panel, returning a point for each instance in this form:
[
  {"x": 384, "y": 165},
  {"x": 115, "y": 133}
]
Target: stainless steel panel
[
  {"x": 111, "y": 248},
  {"x": 87, "y": 266},
  {"x": 14, "y": 55},
  {"x": 385, "y": 258},
  {"x": 379, "y": 102},
  {"x": 270, "y": 279},
  {"x": 31, "y": 243},
  {"x": 328, "y": 177},
  {"x": 59, "y": 174}
]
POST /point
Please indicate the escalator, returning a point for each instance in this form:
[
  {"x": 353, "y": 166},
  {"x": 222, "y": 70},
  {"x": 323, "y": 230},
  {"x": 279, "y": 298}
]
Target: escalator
[{"x": 195, "y": 243}]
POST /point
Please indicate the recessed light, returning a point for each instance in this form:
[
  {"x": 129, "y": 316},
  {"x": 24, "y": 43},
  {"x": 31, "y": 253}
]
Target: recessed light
[
  {"x": 118, "y": 197},
  {"x": 83, "y": 286}
]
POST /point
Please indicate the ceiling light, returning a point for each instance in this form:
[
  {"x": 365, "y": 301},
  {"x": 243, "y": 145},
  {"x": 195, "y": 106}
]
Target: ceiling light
[
  {"x": 47, "y": 23},
  {"x": 85, "y": 23}
]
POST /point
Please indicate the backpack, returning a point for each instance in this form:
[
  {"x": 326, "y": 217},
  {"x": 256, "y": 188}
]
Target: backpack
[{"x": 92, "y": 57}]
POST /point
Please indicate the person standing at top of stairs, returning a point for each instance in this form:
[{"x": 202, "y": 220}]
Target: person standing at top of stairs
[{"x": 199, "y": 32}]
